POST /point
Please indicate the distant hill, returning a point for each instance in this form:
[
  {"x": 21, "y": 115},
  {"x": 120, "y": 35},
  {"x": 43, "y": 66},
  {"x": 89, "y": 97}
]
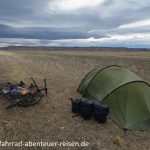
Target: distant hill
[{"x": 22, "y": 48}]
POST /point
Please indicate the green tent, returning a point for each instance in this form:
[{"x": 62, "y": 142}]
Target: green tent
[{"x": 125, "y": 93}]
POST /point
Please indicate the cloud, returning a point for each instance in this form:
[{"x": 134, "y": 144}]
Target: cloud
[
  {"x": 71, "y": 22},
  {"x": 138, "y": 24},
  {"x": 46, "y": 33},
  {"x": 129, "y": 40},
  {"x": 73, "y": 4}
]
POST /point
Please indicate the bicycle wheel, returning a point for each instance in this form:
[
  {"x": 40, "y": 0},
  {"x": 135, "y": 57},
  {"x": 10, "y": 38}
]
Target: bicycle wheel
[
  {"x": 4, "y": 87},
  {"x": 31, "y": 99},
  {"x": 1, "y": 92},
  {"x": 13, "y": 102}
]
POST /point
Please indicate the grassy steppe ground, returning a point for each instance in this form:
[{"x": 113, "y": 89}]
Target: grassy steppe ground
[{"x": 51, "y": 119}]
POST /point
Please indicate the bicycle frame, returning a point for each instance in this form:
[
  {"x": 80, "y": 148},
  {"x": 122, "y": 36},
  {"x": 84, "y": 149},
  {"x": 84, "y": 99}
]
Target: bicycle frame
[{"x": 19, "y": 94}]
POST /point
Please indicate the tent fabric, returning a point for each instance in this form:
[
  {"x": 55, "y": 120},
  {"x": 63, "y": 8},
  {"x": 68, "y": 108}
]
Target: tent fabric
[
  {"x": 125, "y": 93},
  {"x": 87, "y": 79}
]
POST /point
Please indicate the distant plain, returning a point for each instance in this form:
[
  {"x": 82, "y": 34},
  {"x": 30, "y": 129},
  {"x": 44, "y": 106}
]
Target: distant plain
[{"x": 51, "y": 119}]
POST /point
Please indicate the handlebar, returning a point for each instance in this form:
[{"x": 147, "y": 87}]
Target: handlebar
[
  {"x": 35, "y": 83},
  {"x": 45, "y": 86}
]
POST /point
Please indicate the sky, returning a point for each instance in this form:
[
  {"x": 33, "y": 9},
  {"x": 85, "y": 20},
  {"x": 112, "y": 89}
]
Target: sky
[{"x": 75, "y": 23}]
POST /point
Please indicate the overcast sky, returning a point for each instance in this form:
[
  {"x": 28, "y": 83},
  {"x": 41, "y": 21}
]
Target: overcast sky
[{"x": 124, "y": 23}]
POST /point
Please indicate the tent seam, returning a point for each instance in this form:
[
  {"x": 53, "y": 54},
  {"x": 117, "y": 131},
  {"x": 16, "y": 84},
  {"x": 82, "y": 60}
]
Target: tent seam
[{"x": 124, "y": 85}]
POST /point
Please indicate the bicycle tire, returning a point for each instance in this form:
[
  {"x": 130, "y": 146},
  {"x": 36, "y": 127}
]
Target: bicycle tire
[
  {"x": 1, "y": 92},
  {"x": 13, "y": 103},
  {"x": 31, "y": 99}
]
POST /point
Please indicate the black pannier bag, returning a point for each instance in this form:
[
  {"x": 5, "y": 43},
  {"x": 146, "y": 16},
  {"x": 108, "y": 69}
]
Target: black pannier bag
[
  {"x": 101, "y": 112},
  {"x": 86, "y": 109},
  {"x": 75, "y": 105}
]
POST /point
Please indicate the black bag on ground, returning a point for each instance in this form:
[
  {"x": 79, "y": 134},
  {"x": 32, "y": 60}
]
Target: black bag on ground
[
  {"x": 86, "y": 109},
  {"x": 75, "y": 105},
  {"x": 101, "y": 112}
]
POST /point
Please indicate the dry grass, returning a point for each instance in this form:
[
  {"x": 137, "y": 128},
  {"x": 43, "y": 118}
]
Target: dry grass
[{"x": 51, "y": 119}]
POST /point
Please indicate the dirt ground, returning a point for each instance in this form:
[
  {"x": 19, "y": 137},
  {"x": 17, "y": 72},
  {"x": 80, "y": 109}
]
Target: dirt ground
[{"x": 51, "y": 119}]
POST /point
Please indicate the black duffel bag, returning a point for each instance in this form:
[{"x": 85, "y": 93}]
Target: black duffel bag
[
  {"x": 101, "y": 112},
  {"x": 75, "y": 105},
  {"x": 86, "y": 109}
]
